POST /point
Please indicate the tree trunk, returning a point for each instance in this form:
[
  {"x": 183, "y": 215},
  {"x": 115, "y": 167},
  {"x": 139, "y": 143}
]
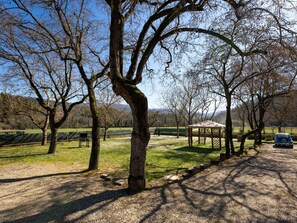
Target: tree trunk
[
  {"x": 243, "y": 139},
  {"x": 54, "y": 134},
  {"x": 44, "y": 137},
  {"x": 105, "y": 128},
  {"x": 133, "y": 96},
  {"x": 140, "y": 135},
  {"x": 262, "y": 111},
  {"x": 243, "y": 126},
  {"x": 177, "y": 129},
  {"x": 229, "y": 135},
  {"x": 44, "y": 131},
  {"x": 105, "y": 134},
  {"x": 95, "y": 151}
]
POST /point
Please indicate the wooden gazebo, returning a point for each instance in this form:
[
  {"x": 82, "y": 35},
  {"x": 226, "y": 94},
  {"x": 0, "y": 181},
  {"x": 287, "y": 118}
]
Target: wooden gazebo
[{"x": 207, "y": 128}]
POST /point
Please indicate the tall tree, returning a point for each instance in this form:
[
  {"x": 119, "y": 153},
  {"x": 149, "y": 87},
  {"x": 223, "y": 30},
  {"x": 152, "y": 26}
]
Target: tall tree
[
  {"x": 158, "y": 26},
  {"x": 226, "y": 71},
  {"x": 67, "y": 29},
  {"x": 276, "y": 77},
  {"x": 53, "y": 82}
]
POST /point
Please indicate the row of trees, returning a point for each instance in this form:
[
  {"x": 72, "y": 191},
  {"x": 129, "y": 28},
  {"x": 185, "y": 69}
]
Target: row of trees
[
  {"x": 21, "y": 113},
  {"x": 62, "y": 51},
  {"x": 253, "y": 78}
]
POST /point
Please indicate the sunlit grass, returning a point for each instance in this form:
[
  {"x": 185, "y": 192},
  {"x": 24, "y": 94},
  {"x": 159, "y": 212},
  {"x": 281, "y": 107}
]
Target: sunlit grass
[{"x": 165, "y": 155}]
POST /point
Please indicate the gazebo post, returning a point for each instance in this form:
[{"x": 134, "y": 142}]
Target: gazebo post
[
  {"x": 198, "y": 136},
  {"x": 204, "y": 136},
  {"x": 190, "y": 140},
  {"x": 211, "y": 137},
  {"x": 220, "y": 138}
]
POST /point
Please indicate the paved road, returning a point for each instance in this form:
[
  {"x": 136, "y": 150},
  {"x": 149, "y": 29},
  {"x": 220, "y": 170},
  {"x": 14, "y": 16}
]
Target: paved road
[{"x": 256, "y": 188}]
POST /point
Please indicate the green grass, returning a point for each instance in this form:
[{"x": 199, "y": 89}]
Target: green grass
[
  {"x": 271, "y": 130},
  {"x": 165, "y": 156},
  {"x": 173, "y": 156}
]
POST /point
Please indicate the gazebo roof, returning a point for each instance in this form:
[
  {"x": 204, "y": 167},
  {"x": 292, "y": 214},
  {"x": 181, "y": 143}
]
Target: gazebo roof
[{"x": 207, "y": 124}]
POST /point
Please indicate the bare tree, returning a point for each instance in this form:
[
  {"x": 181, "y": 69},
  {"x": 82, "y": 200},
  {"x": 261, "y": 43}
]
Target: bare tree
[
  {"x": 160, "y": 24},
  {"x": 28, "y": 107},
  {"x": 226, "y": 72},
  {"x": 173, "y": 102},
  {"x": 67, "y": 29},
  {"x": 280, "y": 110},
  {"x": 277, "y": 76},
  {"x": 241, "y": 113},
  {"x": 53, "y": 82},
  {"x": 106, "y": 99}
]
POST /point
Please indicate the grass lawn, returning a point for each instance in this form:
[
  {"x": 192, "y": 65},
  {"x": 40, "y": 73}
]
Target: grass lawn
[{"x": 165, "y": 156}]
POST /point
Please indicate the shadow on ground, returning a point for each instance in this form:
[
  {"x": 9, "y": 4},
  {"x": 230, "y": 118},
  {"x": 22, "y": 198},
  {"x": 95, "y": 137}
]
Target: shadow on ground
[
  {"x": 196, "y": 150},
  {"x": 260, "y": 188},
  {"x": 255, "y": 189},
  {"x": 59, "y": 211},
  {"x": 12, "y": 180}
]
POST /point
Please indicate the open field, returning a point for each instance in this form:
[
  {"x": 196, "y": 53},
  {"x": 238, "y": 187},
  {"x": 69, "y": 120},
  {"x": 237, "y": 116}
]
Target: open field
[
  {"x": 236, "y": 130},
  {"x": 165, "y": 155},
  {"x": 32, "y": 131}
]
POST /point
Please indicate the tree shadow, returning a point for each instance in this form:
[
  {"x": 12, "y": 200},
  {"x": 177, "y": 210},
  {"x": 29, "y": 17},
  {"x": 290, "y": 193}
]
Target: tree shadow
[
  {"x": 205, "y": 196},
  {"x": 196, "y": 150},
  {"x": 23, "y": 156},
  {"x": 12, "y": 180},
  {"x": 225, "y": 197},
  {"x": 60, "y": 210}
]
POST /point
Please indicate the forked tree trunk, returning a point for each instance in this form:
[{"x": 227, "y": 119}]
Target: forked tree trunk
[
  {"x": 140, "y": 135},
  {"x": 133, "y": 96},
  {"x": 243, "y": 139}
]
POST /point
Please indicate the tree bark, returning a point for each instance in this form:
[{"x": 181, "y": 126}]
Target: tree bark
[
  {"x": 44, "y": 131},
  {"x": 95, "y": 151},
  {"x": 105, "y": 128},
  {"x": 44, "y": 137},
  {"x": 105, "y": 134},
  {"x": 140, "y": 135},
  {"x": 54, "y": 134},
  {"x": 229, "y": 135}
]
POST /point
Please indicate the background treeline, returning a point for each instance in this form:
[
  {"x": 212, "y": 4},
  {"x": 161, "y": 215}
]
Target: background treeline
[
  {"x": 21, "y": 113},
  {"x": 17, "y": 112}
]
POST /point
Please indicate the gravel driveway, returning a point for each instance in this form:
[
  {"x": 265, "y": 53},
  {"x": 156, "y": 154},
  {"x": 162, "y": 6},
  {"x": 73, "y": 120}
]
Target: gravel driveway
[{"x": 260, "y": 187}]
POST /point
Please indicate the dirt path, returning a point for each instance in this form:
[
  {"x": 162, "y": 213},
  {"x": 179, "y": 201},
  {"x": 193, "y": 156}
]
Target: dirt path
[{"x": 255, "y": 188}]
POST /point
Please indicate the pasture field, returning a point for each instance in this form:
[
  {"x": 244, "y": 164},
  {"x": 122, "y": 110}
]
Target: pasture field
[
  {"x": 32, "y": 131},
  {"x": 268, "y": 130},
  {"x": 165, "y": 155}
]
